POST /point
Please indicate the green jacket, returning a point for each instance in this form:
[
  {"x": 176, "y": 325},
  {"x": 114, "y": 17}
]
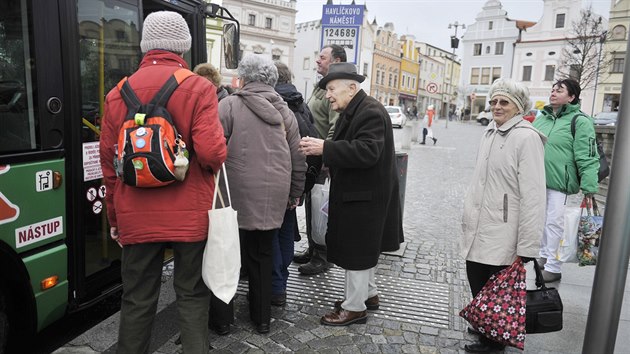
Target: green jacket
[
  {"x": 325, "y": 117},
  {"x": 570, "y": 164}
]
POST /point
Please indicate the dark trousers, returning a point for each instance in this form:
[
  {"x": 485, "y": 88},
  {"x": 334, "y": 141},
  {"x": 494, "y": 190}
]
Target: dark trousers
[
  {"x": 478, "y": 275},
  {"x": 257, "y": 259},
  {"x": 220, "y": 312},
  {"x": 141, "y": 276},
  {"x": 283, "y": 246}
]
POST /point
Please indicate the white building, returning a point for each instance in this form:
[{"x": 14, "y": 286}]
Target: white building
[
  {"x": 487, "y": 53},
  {"x": 539, "y": 51},
  {"x": 267, "y": 28}
]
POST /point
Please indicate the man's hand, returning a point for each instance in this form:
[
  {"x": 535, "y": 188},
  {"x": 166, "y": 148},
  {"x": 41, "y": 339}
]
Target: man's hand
[
  {"x": 293, "y": 203},
  {"x": 113, "y": 231},
  {"x": 311, "y": 146}
]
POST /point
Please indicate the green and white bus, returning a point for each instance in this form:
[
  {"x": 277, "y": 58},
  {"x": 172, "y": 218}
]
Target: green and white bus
[{"x": 58, "y": 60}]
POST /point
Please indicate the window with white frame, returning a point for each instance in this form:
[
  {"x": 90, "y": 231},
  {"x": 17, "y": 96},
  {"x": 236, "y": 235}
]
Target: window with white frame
[
  {"x": 498, "y": 48},
  {"x": 306, "y": 64},
  {"x": 550, "y": 72},
  {"x": 527, "y": 73},
  {"x": 617, "y": 65},
  {"x": 560, "y": 20},
  {"x": 474, "y": 76},
  {"x": 477, "y": 49},
  {"x": 490, "y": 25},
  {"x": 268, "y": 22},
  {"x": 251, "y": 20}
]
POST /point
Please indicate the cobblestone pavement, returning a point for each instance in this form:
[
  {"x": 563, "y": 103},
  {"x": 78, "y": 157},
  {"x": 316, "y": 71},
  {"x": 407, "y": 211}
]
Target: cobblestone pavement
[
  {"x": 436, "y": 182},
  {"x": 437, "y": 177}
]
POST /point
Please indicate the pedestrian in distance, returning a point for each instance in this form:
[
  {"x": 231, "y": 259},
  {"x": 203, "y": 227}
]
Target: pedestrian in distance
[
  {"x": 221, "y": 315},
  {"x": 427, "y": 122},
  {"x": 364, "y": 215},
  {"x": 283, "y": 241},
  {"x": 266, "y": 172},
  {"x": 571, "y": 165},
  {"x": 503, "y": 218},
  {"x": 145, "y": 221},
  {"x": 314, "y": 260}
]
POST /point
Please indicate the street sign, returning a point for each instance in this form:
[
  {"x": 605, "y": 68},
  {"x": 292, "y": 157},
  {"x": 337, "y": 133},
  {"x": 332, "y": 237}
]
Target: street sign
[
  {"x": 432, "y": 87},
  {"x": 341, "y": 25}
]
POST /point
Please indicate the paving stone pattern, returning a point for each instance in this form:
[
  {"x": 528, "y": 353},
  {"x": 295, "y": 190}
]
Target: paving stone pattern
[{"x": 437, "y": 178}]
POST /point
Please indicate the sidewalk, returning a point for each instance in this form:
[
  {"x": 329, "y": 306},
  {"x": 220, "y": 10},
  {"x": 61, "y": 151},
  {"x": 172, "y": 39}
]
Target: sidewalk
[{"x": 423, "y": 286}]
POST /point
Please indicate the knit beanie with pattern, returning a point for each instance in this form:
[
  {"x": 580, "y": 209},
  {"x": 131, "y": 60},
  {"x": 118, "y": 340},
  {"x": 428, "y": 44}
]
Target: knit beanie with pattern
[{"x": 165, "y": 30}]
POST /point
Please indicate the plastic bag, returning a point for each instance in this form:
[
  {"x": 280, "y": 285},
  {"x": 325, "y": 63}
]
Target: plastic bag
[
  {"x": 319, "y": 212},
  {"x": 589, "y": 235},
  {"x": 568, "y": 246}
]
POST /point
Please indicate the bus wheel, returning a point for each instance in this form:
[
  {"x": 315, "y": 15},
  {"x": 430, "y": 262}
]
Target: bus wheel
[{"x": 4, "y": 323}]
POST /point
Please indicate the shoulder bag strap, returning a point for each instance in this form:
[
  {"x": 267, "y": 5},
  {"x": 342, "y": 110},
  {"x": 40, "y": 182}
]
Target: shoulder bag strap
[{"x": 217, "y": 191}]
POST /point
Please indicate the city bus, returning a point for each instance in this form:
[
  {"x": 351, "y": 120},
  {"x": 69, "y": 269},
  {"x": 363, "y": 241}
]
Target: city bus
[{"x": 58, "y": 60}]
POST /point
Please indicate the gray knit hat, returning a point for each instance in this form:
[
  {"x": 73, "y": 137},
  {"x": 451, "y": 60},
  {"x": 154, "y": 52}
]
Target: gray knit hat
[{"x": 165, "y": 30}]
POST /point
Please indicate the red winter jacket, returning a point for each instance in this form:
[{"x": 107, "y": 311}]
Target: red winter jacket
[{"x": 177, "y": 212}]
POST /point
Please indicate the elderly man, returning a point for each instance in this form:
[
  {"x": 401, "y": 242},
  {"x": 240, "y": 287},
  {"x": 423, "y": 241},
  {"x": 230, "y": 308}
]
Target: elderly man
[
  {"x": 325, "y": 118},
  {"x": 364, "y": 209}
]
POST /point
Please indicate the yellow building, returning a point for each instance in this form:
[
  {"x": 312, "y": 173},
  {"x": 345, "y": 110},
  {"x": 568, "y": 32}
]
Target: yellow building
[
  {"x": 386, "y": 66},
  {"x": 409, "y": 70},
  {"x": 609, "y": 87}
]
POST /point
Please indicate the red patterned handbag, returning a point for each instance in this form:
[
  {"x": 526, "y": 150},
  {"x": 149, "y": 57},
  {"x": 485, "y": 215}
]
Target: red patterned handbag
[{"x": 498, "y": 311}]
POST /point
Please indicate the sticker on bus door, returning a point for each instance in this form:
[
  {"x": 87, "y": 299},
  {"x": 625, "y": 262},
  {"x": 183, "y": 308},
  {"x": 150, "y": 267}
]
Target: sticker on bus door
[
  {"x": 8, "y": 210},
  {"x": 39, "y": 231}
]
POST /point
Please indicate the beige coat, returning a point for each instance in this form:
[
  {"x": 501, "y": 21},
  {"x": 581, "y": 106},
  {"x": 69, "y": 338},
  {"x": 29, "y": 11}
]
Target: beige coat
[
  {"x": 504, "y": 208},
  {"x": 264, "y": 164}
]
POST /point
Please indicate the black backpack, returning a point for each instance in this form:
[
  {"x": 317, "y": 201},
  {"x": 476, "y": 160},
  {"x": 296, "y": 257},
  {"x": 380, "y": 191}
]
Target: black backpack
[{"x": 604, "y": 166}]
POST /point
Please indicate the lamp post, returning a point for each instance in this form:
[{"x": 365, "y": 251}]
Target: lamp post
[
  {"x": 454, "y": 45},
  {"x": 602, "y": 39}
]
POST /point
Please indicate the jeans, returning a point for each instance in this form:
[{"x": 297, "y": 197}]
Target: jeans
[{"x": 283, "y": 246}]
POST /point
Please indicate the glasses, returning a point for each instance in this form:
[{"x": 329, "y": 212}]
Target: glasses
[{"x": 501, "y": 103}]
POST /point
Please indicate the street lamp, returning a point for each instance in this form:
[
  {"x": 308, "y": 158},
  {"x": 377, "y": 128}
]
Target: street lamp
[
  {"x": 454, "y": 45},
  {"x": 602, "y": 39}
]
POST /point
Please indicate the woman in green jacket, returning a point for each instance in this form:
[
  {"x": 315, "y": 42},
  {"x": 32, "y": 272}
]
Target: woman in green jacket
[{"x": 571, "y": 164}]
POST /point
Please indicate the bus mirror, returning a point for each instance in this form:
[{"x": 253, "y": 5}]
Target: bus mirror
[{"x": 231, "y": 47}]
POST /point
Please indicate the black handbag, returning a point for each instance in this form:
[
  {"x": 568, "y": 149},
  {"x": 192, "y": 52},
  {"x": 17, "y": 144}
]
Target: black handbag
[{"x": 544, "y": 307}]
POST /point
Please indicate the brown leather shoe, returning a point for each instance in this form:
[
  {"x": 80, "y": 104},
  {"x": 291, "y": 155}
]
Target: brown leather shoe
[
  {"x": 371, "y": 303},
  {"x": 344, "y": 318}
]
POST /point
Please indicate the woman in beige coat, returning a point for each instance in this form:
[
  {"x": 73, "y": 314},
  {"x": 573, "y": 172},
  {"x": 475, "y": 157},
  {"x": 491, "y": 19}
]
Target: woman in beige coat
[
  {"x": 504, "y": 209},
  {"x": 266, "y": 171}
]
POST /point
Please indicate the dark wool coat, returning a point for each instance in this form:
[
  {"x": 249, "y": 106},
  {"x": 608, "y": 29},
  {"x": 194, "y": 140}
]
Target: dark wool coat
[{"x": 364, "y": 217}]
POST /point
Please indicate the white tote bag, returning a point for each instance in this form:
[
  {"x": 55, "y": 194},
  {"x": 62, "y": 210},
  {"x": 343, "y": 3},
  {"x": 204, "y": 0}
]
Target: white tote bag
[
  {"x": 319, "y": 212},
  {"x": 222, "y": 255},
  {"x": 568, "y": 246}
]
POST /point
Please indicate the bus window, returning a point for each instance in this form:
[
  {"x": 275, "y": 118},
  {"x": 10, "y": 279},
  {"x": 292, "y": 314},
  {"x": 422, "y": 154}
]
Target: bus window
[
  {"x": 17, "y": 116},
  {"x": 109, "y": 49}
]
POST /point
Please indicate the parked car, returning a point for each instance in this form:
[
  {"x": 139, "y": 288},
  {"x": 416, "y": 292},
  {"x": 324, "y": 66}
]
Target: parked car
[
  {"x": 484, "y": 117},
  {"x": 606, "y": 118},
  {"x": 531, "y": 115},
  {"x": 396, "y": 115}
]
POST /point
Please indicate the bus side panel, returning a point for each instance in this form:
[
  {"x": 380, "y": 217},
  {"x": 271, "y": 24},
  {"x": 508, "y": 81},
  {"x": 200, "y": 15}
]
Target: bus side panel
[
  {"x": 33, "y": 227},
  {"x": 51, "y": 303},
  {"x": 32, "y": 212}
]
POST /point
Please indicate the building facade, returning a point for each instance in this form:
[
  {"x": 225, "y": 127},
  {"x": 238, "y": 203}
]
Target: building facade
[
  {"x": 267, "y": 28},
  {"x": 609, "y": 90},
  {"x": 385, "y": 66},
  {"x": 538, "y": 53},
  {"x": 409, "y": 70},
  {"x": 439, "y": 73},
  {"x": 488, "y": 47}
]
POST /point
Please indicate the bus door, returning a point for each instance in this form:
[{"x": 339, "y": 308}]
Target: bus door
[
  {"x": 33, "y": 220},
  {"x": 108, "y": 45}
]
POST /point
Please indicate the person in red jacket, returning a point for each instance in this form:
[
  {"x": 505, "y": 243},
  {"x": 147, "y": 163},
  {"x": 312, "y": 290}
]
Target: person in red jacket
[{"x": 144, "y": 221}]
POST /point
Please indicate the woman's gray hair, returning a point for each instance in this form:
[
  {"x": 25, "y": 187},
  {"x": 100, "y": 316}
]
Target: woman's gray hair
[
  {"x": 257, "y": 68},
  {"x": 516, "y": 92}
]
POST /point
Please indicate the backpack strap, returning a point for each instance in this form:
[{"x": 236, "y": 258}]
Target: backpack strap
[
  {"x": 161, "y": 98},
  {"x": 129, "y": 96},
  {"x": 573, "y": 123}
]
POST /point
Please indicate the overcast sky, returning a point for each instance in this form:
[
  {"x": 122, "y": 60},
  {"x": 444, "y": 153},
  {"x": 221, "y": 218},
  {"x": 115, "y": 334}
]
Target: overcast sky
[{"x": 428, "y": 20}]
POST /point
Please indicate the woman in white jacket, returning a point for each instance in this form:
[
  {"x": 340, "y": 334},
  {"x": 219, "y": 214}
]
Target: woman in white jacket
[{"x": 504, "y": 209}]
